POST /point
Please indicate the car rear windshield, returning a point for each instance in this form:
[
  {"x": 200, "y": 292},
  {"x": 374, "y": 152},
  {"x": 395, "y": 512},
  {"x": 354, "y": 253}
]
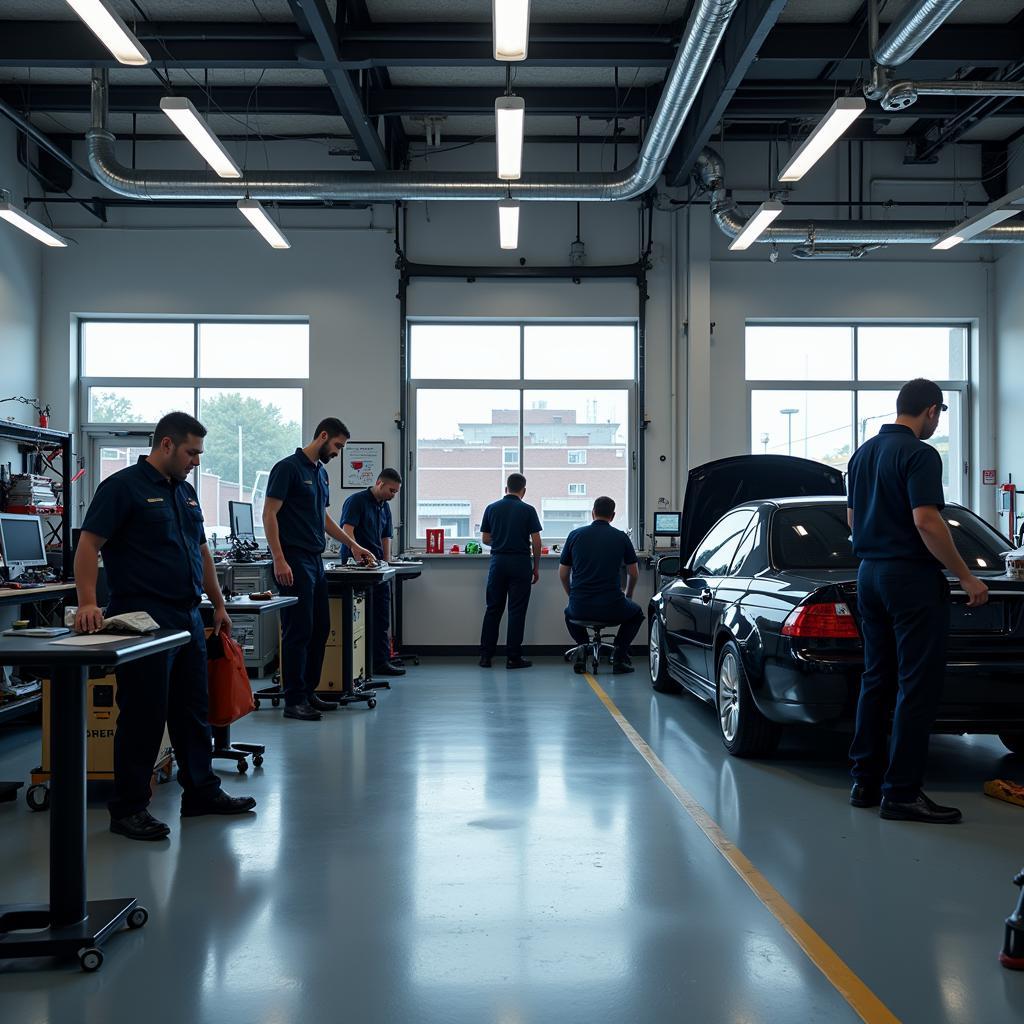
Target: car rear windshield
[{"x": 818, "y": 537}]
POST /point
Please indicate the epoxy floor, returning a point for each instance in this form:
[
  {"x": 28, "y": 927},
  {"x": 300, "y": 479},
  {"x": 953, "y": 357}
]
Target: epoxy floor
[{"x": 488, "y": 848}]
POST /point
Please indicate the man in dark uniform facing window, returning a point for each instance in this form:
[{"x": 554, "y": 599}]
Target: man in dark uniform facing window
[
  {"x": 366, "y": 521},
  {"x": 296, "y": 522},
  {"x": 895, "y": 497},
  {"x": 511, "y": 529},
  {"x": 148, "y": 523},
  {"x": 590, "y": 570}
]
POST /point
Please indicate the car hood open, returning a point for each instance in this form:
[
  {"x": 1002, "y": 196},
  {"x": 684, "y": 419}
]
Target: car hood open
[{"x": 716, "y": 487}]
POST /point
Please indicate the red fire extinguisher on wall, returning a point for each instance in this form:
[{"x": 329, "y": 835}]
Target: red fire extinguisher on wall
[{"x": 1008, "y": 507}]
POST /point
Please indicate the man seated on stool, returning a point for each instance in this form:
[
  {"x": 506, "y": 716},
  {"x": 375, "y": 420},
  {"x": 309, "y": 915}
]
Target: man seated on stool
[
  {"x": 589, "y": 569},
  {"x": 366, "y": 521}
]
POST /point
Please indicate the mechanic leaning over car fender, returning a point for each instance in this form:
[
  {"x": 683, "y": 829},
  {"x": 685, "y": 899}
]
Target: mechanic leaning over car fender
[{"x": 895, "y": 496}]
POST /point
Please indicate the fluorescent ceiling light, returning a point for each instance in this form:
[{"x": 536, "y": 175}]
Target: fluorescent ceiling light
[
  {"x": 111, "y": 31},
  {"x": 976, "y": 225},
  {"x": 31, "y": 226},
  {"x": 841, "y": 115},
  {"x": 509, "y": 116},
  {"x": 197, "y": 131},
  {"x": 755, "y": 227},
  {"x": 252, "y": 210},
  {"x": 511, "y": 28},
  {"x": 508, "y": 223}
]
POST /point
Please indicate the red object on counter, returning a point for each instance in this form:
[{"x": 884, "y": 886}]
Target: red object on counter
[
  {"x": 435, "y": 542},
  {"x": 455, "y": 549}
]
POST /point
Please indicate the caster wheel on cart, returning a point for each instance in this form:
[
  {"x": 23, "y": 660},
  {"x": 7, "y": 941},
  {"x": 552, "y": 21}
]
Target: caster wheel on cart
[
  {"x": 243, "y": 767},
  {"x": 138, "y": 917},
  {"x": 371, "y": 703},
  {"x": 38, "y": 798},
  {"x": 257, "y": 760},
  {"x": 256, "y": 703},
  {"x": 276, "y": 702},
  {"x": 90, "y": 959}
]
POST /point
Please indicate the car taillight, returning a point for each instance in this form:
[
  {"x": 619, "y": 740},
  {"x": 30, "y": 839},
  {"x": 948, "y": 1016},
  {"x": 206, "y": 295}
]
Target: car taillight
[{"x": 825, "y": 620}]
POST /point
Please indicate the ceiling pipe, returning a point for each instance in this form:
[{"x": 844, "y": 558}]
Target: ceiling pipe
[
  {"x": 710, "y": 175},
  {"x": 705, "y": 29},
  {"x": 901, "y": 95},
  {"x": 43, "y": 141}
]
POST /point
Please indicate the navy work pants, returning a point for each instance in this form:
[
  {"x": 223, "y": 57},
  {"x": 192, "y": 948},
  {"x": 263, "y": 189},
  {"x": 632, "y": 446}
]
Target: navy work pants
[
  {"x": 509, "y": 579},
  {"x": 165, "y": 689},
  {"x": 619, "y": 611},
  {"x": 305, "y": 626},
  {"x": 381, "y": 596},
  {"x": 904, "y": 610}
]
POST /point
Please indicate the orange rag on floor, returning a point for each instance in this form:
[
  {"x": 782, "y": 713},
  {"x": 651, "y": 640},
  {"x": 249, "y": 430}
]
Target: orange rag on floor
[{"x": 1011, "y": 792}]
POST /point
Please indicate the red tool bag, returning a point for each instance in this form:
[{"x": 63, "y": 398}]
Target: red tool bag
[{"x": 231, "y": 695}]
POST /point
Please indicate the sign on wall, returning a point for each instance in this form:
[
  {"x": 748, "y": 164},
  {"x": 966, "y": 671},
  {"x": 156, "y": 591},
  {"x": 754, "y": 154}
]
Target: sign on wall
[{"x": 361, "y": 463}]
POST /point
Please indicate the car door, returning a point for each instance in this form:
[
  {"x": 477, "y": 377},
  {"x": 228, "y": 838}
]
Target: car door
[{"x": 689, "y": 605}]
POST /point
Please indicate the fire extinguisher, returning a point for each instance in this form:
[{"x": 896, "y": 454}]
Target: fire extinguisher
[{"x": 1008, "y": 506}]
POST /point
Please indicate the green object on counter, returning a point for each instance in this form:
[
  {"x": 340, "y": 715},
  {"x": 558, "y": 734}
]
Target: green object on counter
[{"x": 473, "y": 548}]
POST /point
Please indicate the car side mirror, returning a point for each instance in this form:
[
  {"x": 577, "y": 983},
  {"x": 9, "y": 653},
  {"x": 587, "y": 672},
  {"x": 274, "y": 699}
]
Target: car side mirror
[{"x": 669, "y": 565}]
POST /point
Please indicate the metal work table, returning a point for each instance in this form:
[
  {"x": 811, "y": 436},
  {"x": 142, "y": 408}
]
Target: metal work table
[
  {"x": 69, "y": 925},
  {"x": 403, "y": 571}
]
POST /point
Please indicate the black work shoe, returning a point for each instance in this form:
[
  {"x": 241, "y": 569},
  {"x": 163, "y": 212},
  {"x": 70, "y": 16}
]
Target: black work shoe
[
  {"x": 319, "y": 704},
  {"x": 389, "y": 668},
  {"x": 865, "y": 794},
  {"x": 141, "y": 825},
  {"x": 921, "y": 809},
  {"x": 622, "y": 664},
  {"x": 579, "y": 664},
  {"x": 485, "y": 661},
  {"x": 304, "y": 712},
  {"x": 219, "y": 803},
  {"x": 518, "y": 663}
]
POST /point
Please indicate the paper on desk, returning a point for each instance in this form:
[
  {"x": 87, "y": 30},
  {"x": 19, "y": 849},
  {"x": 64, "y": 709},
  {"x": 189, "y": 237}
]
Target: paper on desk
[{"x": 89, "y": 640}]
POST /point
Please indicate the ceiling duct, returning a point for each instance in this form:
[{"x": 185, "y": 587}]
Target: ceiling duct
[
  {"x": 708, "y": 22},
  {"x": 710, "y": 174},
  {"x": 907, "y": 35}
]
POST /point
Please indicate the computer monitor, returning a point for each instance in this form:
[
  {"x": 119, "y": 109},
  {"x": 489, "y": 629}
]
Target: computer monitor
[
  {"x": 667, "y": 524},
  {"x": 240, "y": 515},
  {"x": 21, "y": 543}
]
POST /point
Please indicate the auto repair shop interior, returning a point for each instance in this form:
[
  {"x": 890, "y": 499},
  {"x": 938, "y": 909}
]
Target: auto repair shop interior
[{"x": 680, "y": 254}]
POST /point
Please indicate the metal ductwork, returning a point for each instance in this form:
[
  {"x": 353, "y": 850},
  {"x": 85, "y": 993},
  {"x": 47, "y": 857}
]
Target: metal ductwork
[
  {"x": 906, "y": 36},
  {"x": 710, "y": 174},
  {"x": 708, "y": 22}
]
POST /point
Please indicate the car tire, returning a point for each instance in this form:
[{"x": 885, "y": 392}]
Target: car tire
[
  {"x": 1013, "y": 741},
  {"x": 660, "y": 678},
  {"x": 744, "y": 730}
]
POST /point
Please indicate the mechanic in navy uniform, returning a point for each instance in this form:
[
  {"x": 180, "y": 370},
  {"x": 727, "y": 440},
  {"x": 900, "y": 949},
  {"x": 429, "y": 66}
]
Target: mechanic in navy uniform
[
  {"x": 590, "y": 571},
  {"x": 366, "y": 521},
  {"x": 147, "y": 521},
  {"x": 511, "y": 529},
  {"x": 296, "y": 523},
  {"x": 895, "y": 497}
]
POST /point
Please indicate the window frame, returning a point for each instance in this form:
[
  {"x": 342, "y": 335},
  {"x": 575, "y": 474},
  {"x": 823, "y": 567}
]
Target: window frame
[
  {"x": 90, "y": 430},
  {"x": 522, "y": 384},
  {"x": 855, "y": 385}
]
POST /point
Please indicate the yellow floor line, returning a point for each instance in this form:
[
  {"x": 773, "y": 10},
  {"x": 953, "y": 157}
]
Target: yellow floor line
[{"x": 861, "y": 999}]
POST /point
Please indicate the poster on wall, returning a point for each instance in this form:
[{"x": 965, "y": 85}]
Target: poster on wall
[{"x": 361, "y": 463}]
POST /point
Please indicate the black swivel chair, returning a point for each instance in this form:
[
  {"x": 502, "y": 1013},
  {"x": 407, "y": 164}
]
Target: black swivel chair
[{"x": 595, "y": 646}]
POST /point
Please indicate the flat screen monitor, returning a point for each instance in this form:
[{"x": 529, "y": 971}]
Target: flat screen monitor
[
  {"x": 667, "y": 524},
  {"x": 240, "y": 514},
  {"x": 21, "y": 543}
]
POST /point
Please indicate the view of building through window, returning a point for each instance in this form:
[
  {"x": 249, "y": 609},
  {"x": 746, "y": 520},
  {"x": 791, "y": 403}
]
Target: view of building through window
[{"x": 819, "y": 391}]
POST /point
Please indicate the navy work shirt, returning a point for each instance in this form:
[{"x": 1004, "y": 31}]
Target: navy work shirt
[
  {"x": 304, "y": 489},
  {"x": 597, "y": 554},
  {"x": 370, "y": 520},
  {"x": 154, "y": 532},
  {"x": 888, "y": 477},
  {"x": 510, "y": 522}
]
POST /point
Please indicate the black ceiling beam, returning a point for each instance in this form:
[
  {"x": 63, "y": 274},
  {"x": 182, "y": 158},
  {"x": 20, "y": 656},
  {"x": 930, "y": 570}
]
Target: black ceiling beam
[
  {"x": 745, "y": 35},
  {"x": 810, "y": 107},
  {"x": 343, "y": 88},
  {"x": 586, "y": 102}
]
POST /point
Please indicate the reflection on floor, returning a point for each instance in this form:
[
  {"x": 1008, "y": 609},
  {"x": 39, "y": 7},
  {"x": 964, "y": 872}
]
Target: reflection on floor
[{"x": 488, "y": 847}]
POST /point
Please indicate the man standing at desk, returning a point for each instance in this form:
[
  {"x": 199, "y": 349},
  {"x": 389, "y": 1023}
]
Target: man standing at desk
[
  {"x": 366, "y": 521},
  {"x": 148, "y": 523},
  {"x": 296, "y": 522},
  {"x": 510, "y": 528},
  {"x": 590, "y": 569}
]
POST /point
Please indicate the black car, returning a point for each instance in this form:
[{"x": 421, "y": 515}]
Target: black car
[{"x": 761, "y": 619}]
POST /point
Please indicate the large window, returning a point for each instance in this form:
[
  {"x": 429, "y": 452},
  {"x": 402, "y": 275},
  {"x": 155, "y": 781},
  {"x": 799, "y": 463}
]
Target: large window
[
  {"x": 555, "y": 401},
  {"x": 133, "y": 372},
  {"x": 820, "y": 390}
]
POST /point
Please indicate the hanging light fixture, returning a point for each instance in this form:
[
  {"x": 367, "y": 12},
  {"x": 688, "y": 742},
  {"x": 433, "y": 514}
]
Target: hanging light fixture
[
  {"x": 840, "y": 116},
  {"x": 508, "y": 223},
  {"x": 509, "y": 118},
  {"x": 192, "y": 125},
  {"x": 252, "y": 210},
  {"x": 511, "y": 28},
  {"x": 975, "y": 225},
  {"x": 111, "y": 31},
  {"x": 756, "y": 226},
  {"x": 22, "y": 221}
]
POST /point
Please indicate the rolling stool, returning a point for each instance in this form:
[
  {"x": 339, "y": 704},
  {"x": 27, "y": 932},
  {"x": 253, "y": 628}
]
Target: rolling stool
[{"x": 595, "y": 646}]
